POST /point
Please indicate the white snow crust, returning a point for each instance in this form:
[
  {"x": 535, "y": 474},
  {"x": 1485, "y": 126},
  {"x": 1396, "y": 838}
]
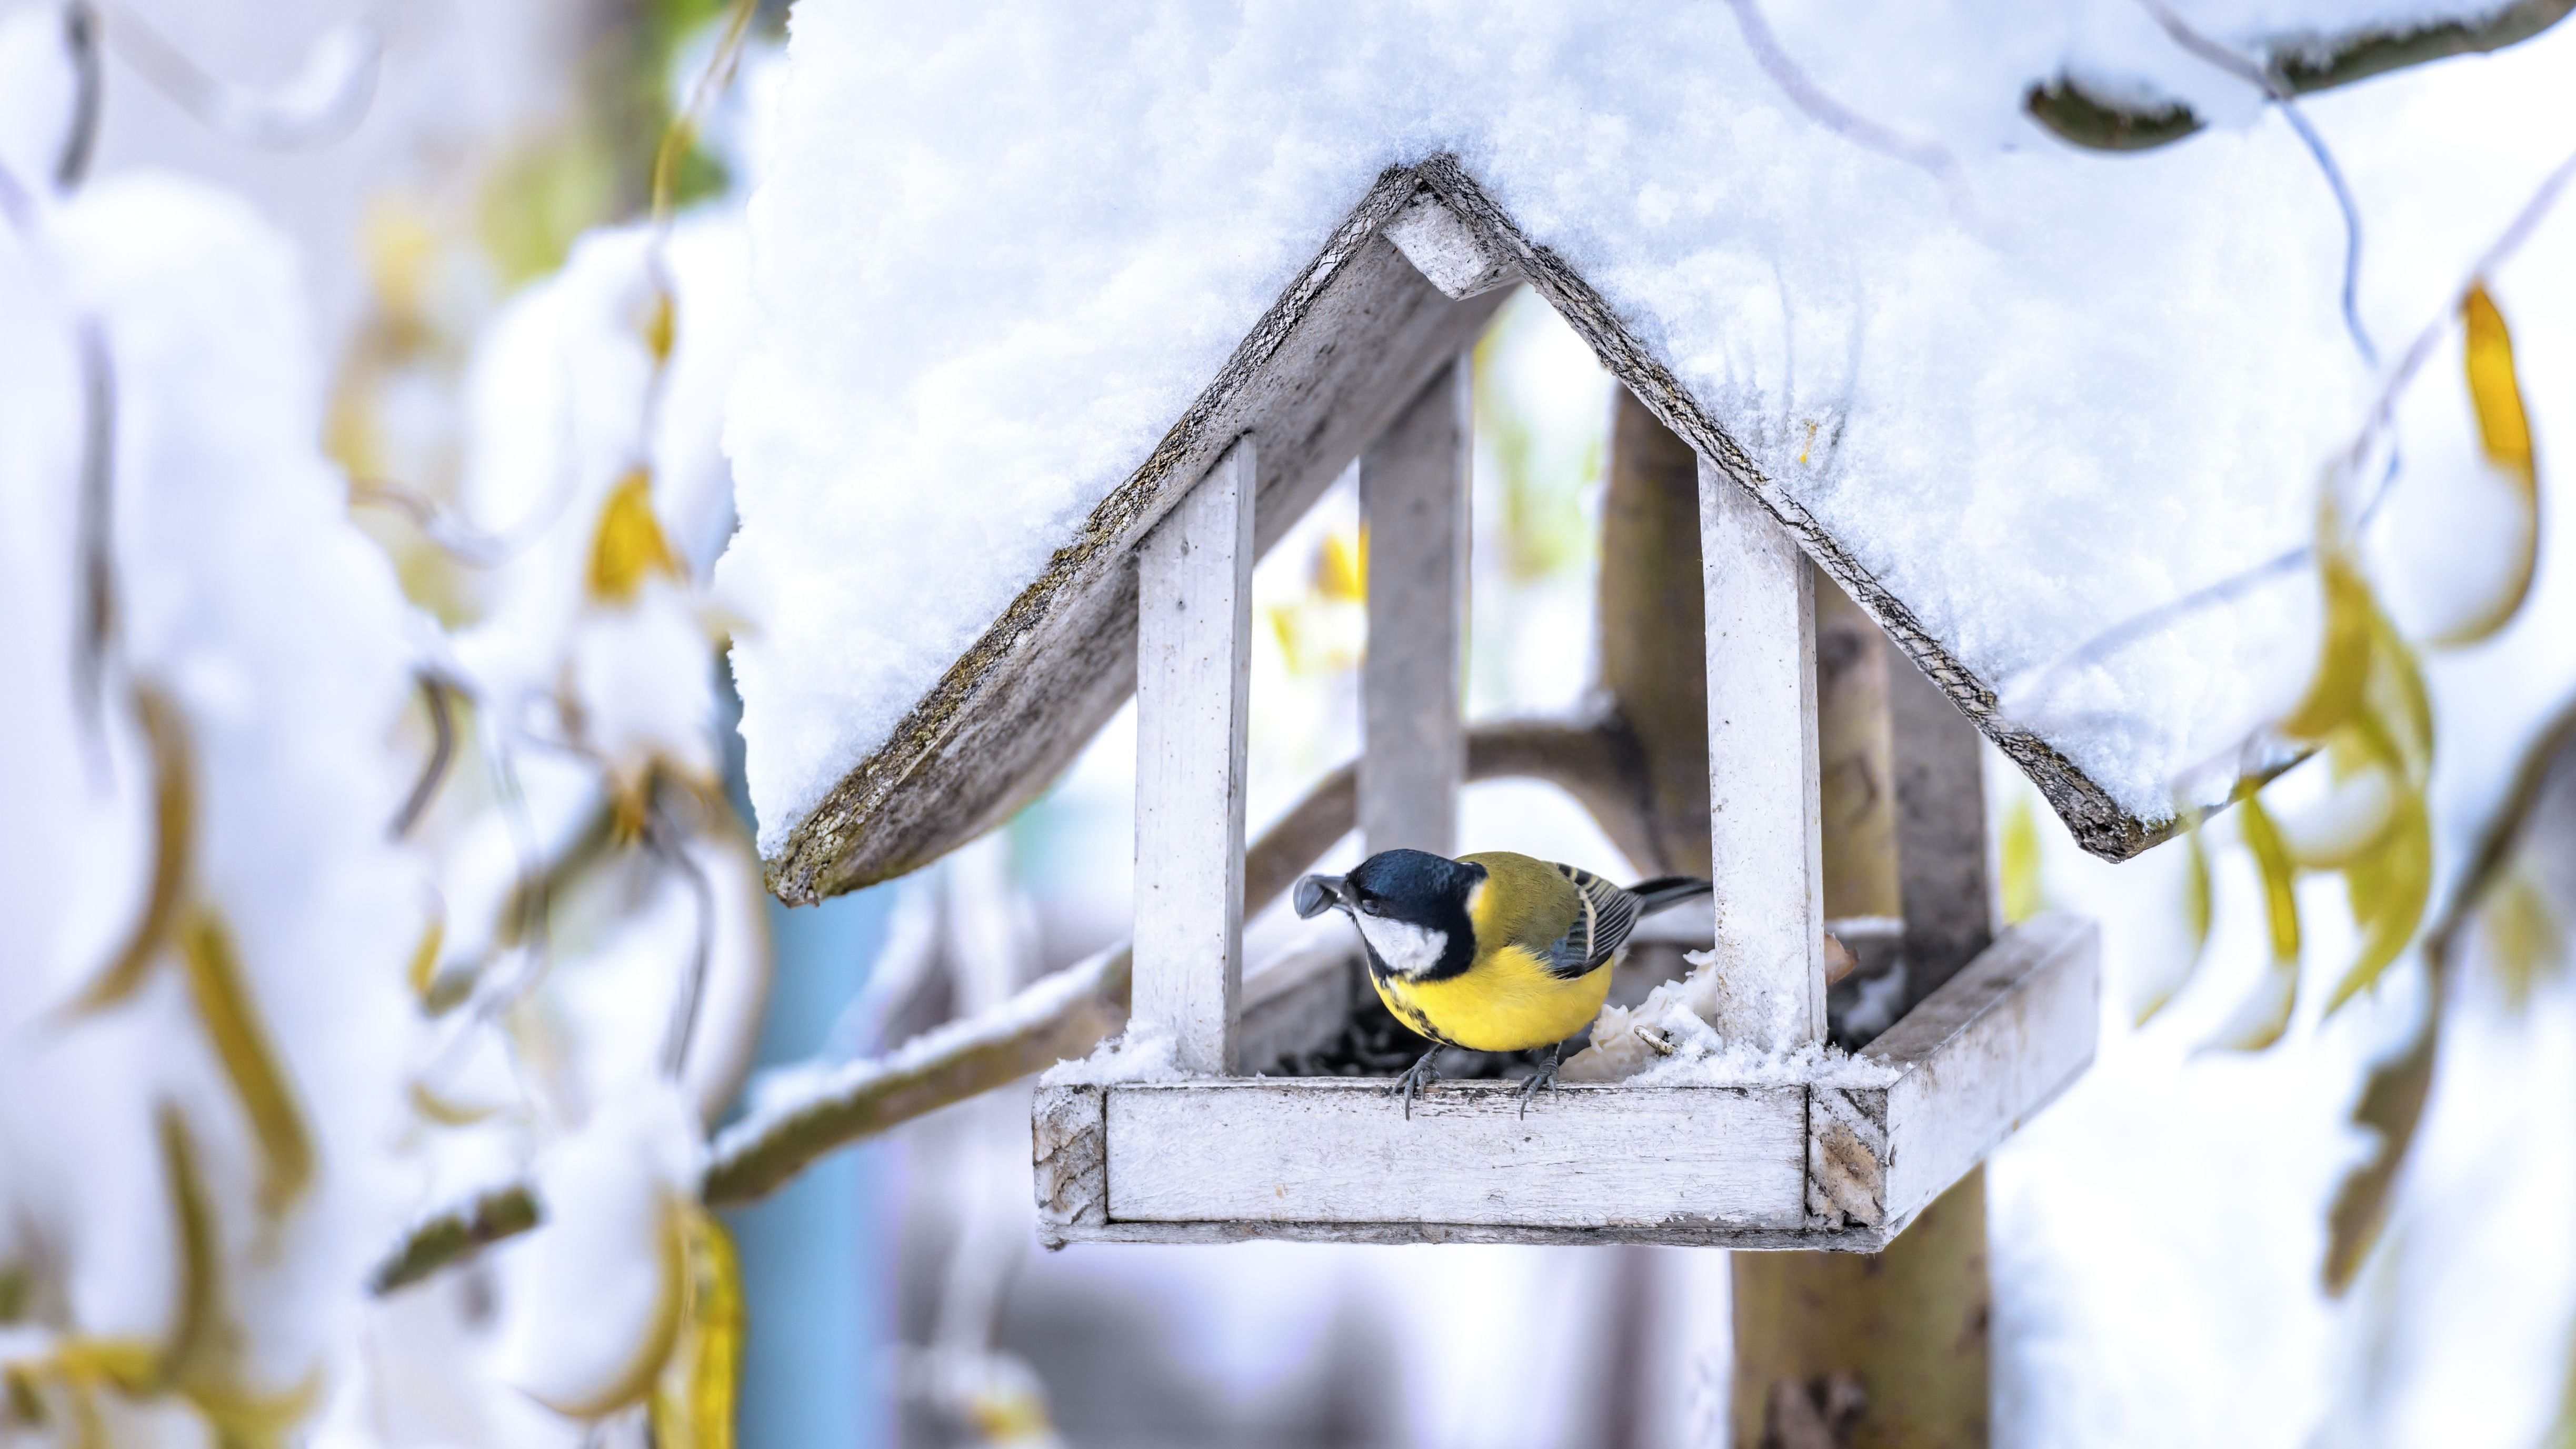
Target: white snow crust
[{"x": 1003, "y": 244}]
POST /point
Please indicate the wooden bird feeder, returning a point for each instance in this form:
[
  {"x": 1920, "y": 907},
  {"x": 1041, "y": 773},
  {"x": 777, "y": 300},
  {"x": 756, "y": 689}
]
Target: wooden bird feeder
[{"x": 1364, "y": 357}]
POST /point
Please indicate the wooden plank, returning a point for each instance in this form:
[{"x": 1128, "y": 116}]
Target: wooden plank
[
  {"x": 1193, "y": 679},
  {"x": 1446, "y": 250},
  {"x": 1351, "y": 340},
  {"x": 1295, "y": 1004},
  {"x": 1946, "y": 879},
  {"x": 1854, "y": 1239},
  {"x": 1413, "y": 502},
  {"x": 1316, "y": 1150},
  {"x": 2097, "y": 821},
  {"x": 1993, "y": 1046},
  {"x": 1765, "y": 836},
  {"x": 1069, "y": 1149}
]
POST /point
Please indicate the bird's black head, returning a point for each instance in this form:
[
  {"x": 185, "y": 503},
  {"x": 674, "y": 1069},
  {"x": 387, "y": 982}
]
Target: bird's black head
[{"x": 1410, "y": 905}]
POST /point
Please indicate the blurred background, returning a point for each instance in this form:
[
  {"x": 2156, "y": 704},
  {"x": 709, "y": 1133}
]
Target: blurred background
[{"x": 2155, "y": 1236}]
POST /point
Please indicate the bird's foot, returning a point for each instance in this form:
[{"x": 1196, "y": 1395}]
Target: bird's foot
[
  {"x": 1416, "y": 1080},
  {"x": 1542, "y": 1080}
]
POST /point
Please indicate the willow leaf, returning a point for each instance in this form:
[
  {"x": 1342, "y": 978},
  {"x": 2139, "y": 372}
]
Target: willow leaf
[
  {"x": 2504, "y": 431},
  {"x": 2343, "y": 659},
  {"x": 2392, "y": 1105},
  {"x": 231, "y": 1020},
  {"x": 2024, "y": 893},
  {"x": 173, "y": 837},
  {"x": 192, "y": 1328},
  {"x": 2388, "y": 886},
  {"x": 2265, "y": 1014},
  {"x": 695, "y": 1405},
  {"x": 2196, "y": 908},
  {"x": 629, "y": 547},
  {"x": 661, "y": 1335}
]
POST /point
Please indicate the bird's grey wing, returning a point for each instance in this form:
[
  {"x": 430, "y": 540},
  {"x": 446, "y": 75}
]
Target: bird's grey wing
[{"x": 1609, "y": 914}]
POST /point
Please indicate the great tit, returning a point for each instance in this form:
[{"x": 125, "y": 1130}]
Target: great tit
[{"x": 1494, "y": 952}]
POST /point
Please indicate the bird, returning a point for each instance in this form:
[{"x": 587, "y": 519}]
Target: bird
[{"x": 1495, "y": 952}]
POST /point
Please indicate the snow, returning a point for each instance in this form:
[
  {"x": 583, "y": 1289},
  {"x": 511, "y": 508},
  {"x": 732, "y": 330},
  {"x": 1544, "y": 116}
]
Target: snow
[
  {"x": 1666, "y": 1041},
  {"x": 278, "y": 635},
  {"x": 1003, "y": 245},
  {"x": 1147, "y": 1052}
]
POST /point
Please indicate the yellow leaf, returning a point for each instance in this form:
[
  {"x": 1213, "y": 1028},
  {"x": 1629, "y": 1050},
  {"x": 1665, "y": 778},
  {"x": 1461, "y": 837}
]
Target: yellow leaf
[
  {"x": 629, "y": 546},
  {"x": 2265, "y": 1014},
  {"x": 2343, "y": 660},
  {"x": 2524, "y": 936},
  {"x": 2025, "y": 894},
  {"x": 662, "y": 1335},
  {"x": 1341, "y": 566},
  {"x": 2505, "y": 433},
  {"x": 259, "y": 1083},
  {"x": 694, "y": 1406},
  {"x": 424, "y": 956},
  {"x": 442, "y": 1111},
  {"x": 2388, "y": 886},
  {"x": 2196, "y": 915},
  {"x": 173, "y": 836},
  {"x": 192, "y": 1330},
  {"x": 662, "y": 326}
]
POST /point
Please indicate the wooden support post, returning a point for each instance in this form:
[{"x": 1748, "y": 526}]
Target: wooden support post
[
  {"x": 1193, "y": 671},
  {"x": 1413, "y": 503},
  {"x": 1765, "y": 840},
  {"x": 1949, "y": 892},
  {"x": 1887, "y": 1348}
]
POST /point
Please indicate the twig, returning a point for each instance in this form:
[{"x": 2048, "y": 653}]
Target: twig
[
  {"x": 2034, "y": 685},
  {"x": 435, "y": 697},
  {"x": 1842, "y": 120},
  {"x": 1070, "y": 1011},
  {"x": 2263, "y": 78},
  {"x": 80, "y": 141},
  {"x": 322, "y": 103}
]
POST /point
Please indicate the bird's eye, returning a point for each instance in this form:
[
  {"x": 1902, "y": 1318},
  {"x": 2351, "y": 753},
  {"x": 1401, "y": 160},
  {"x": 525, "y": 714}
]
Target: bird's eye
[{"x": 1369, "y": 907}]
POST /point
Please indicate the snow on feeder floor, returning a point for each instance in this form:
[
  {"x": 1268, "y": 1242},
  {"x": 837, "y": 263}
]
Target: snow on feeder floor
[{"x": 1769, "y": 1140}]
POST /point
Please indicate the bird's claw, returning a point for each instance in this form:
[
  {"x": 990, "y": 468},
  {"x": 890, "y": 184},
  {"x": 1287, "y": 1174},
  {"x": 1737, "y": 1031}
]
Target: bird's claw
[
  {"x": 1416, "y": 1080},
  {"x": 1542, "y": 1080}
]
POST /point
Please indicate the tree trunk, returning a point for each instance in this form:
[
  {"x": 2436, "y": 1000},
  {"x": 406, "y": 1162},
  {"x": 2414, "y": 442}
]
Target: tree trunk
[{"x": 1831, "y": 1348}]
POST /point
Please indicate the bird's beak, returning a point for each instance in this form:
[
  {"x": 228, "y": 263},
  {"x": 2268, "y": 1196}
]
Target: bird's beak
[{"x": 1317, "y": 894}]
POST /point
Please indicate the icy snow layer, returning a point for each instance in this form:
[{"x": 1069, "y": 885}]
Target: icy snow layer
[
  {"x": 1003, "y": 245},
  {"x": 243, "y": 596}
]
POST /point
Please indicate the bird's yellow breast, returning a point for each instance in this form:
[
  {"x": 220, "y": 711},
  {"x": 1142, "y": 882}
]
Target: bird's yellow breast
[{"x": 1506, "y": 1002}]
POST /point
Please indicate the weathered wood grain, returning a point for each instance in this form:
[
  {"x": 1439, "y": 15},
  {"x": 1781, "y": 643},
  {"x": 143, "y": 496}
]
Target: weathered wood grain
[
  {"x": 1995, "y": 1044},
  {"x": 1941, "y": 849},
  {"x": 1843, "y": 1162},
  {"x": 1765, "y": 838},
  {"x": 1446, "y": 250},
  {"x": 1070, "y": 1156},
  {"x": 1193, "y": 711},
  {"x": 1318, "y": 1150},
  {"x": 1350, "y": 341},
  {"x": 1413, "y": 502},
  {"x": 2097, "y": 821}
]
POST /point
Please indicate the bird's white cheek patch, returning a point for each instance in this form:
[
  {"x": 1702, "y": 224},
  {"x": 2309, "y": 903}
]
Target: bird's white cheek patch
[{"x": 1406, "y": 948}]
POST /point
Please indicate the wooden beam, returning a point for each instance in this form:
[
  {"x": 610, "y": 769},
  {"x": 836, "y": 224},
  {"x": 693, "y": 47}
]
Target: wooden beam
[
  {"x": 1349, "y": 342},
  {"x": 1765, "y": 838},
  {"x": 2097, "y": 821},
  {"x": 1413, "y": 504},
  {"x": 1946, "y": 880},
  {"x": 1326, "y": 1150},
  {"x": 1193, "y": 673},
  {"x": 1984, "y": 1053},
  {"x": 1842, "y": 1161}
]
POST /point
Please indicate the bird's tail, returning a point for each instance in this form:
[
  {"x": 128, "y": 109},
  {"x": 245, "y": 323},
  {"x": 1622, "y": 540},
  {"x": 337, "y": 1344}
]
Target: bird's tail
[{"x": 1666, "y": 891}]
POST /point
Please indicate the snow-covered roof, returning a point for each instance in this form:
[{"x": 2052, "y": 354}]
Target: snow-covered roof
[{"x": 1022, "y": 272}]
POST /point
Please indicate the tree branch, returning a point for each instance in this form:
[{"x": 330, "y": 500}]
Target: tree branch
[{"x": 2089, "y": 121}]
